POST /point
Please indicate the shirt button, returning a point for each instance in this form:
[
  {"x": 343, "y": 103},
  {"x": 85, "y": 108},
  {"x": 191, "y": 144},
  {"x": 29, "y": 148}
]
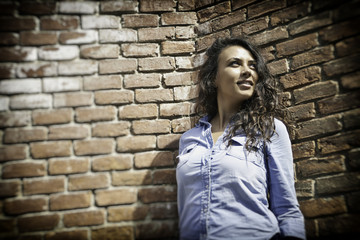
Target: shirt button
[{"x": 207, "y": 186}]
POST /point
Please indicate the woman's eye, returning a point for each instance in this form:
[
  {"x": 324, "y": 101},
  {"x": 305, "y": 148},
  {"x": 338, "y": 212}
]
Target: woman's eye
[
  {"x": 234, "y": 63},
  {"x": 252, "y": 66}
]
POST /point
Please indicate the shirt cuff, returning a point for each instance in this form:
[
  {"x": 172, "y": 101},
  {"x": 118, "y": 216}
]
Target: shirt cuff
[{"x": 293, "y": 227}]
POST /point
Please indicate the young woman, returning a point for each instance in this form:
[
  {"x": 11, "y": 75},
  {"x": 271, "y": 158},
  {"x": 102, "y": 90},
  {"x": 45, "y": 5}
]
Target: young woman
[{"x": 235, "y": 170}]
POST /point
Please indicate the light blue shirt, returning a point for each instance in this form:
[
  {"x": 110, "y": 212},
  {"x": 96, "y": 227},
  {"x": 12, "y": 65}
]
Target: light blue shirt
[{"x": 230, "y": 193}]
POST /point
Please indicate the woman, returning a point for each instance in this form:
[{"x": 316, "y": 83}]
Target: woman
[{"x": 235, "y": 169}]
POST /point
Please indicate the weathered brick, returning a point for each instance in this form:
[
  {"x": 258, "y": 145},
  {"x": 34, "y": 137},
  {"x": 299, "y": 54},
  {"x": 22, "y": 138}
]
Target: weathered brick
[
  {"x": 16, "y": 86},
  {"x": 177, "y": 79},
  {"x": 181, "y": 125},
  {"x": 31, "y": 101},
  {"x": 264, "y": 7},
  {"x": 10, "y": 188},
  {"x": 186, "y": 63},
  {"x": 79, "y": 67},
  {"x": 138, "y": 111},
  {"x": 107, "y": 97},
  {"x": 85, "y": 7},
  {"x": 9, "y": 38},
  {"x": 156, "y": 64},
  {"x": 100, "y": 51},
  {"x": 204, "y": 28},
  {"x": 51, "y": 149},
  {"x": 38, "y": 38},
  {"x": 4, "y": 103},
  {"x": 44, "y": 186},
  {"x": 338, "y": 31},
  {"x": 39, "y": 69},
  {"x": 140, "y": 20},
  {"x": 278, "y": 67},
  {"x": 37, "y": 8},
  {"x": 157, "y": 194},
  {"x": 7, "y": 70},
  {"x": 118, "y": 6},
  {"x": 68, "y": 166},
  {"x": 352, "y": 118},
  {"x": 250, "y": 27},
  {"x": 151, "y": 126},
  {"x": 78, "y": 37},
  {"x": 100, "y": 21},
  {"x": 297, "y": 45},
  {"x": 174, "y": 109},
  {"x": 68, "y": 132},
  {"x": 338, "y": 183},
  {"x": 102, "y": 82},
  {"x": 62, "y": 84},
  {"x": 339, "y": 102},
  {"x": 342, "y": 65},
  {"x": 154, "y": 159},
  {"x": 310, "y": 23},
  {"x": 16, "y": 54},
  {"x": 38, "y": 223},
  {"x": 117, "y": 66},
  {"x": 305, "y": 188},
  {"x": 319, "y": 126},
  {"x": 186, "y": 5},
  {"x": 338, "y": 225},
  {"x": 95, "y": 114},
  {"x": 127, "y": 213},
  {"x": 70, "y": 201},
  {"x": 347, "y": 46},
  {"x": 168, "y": 141},
  {"x": 93, "y": 147},
  {"x": 131, "y": 178},
  {"x": 157, "y": 6},
  {"x": 110, "y": 129},
  {"x": 301, "y": 77},
  {"x": 316, "y": 166},
  {"x": 142, "y": 80},
  {"x": 19, "y": 135},
  {"x": 8, "y": 226},
  {"x": 117, "y": 162},
  {"x": 303, "y": 111},
  {"x": 87, "y": 218},
  {"x": 140, "y": 50},
  {"x": 115, "y": 36},
  {"x": 184, "y": 32},
  {"x": 17, "y": 24},
  {"x": 290, "y": 13},
  {"x": 178, "y": 18},
  {"x": 135, "y": 143},
  {"x": 225, "y": 21},
  {"x": 206, "y": 41},
  {"x": 59, "y": 23},
  {"x": 315, "y": 90},
  {"x": 73, "y": 234},
  {"x": 165, "y": 176},
  {"x": 214, "y": 11},
  {"x": 338, "y": 142},
  {"x": 156, "y": 34},
  {"x": 85, "y": 182},
  {"x": 323, "y": 206},
  {"x": 158, "y": 229},
  {"x": 185, "y": 93},
  {"x": 163, "y": 211},
  {"x": 317, "y": 55},
  {"x": 269, "y": 36},
  {"x": 58, "y": 52},
  {"x": 352, "y": 200},
  {"x": 25, "y": 205},
  {"x": 126, "y": 232},
  {"x": 12, "y": 152},
  {"x": 153, "y": 95},
  {"x": 115, "y": 196},
  {"x": 75, "y": 99},
  {"x": 175, "y": 48}
]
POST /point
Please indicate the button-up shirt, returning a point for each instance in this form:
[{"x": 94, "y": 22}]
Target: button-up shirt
[{"x": 227, "y": 192}]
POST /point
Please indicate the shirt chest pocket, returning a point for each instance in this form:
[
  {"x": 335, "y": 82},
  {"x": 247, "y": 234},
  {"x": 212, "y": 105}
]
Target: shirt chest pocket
[{"x": 184, "y": 156}]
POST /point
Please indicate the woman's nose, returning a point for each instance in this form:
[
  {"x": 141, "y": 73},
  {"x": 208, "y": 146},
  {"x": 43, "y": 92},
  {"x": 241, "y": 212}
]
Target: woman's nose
[{"x": 245, "y": 73}]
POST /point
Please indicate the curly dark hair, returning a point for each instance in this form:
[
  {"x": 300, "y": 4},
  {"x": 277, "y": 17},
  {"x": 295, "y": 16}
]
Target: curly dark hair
[{"x": 256, "y": 115}]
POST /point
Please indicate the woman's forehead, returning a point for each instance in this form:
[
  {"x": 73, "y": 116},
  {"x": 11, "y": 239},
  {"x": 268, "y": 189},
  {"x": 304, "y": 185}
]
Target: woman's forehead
[{"x": 235, "y": 52}]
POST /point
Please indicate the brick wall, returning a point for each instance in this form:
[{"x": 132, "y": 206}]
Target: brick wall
[{"x": 94, "y": 96}]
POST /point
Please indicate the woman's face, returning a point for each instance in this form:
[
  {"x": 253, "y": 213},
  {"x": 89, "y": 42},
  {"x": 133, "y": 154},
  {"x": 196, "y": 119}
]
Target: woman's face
[{"x": 236, "y": 75}]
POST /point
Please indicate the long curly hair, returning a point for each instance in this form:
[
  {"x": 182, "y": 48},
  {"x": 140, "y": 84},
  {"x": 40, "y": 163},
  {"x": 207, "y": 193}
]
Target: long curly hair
[{"x": 256, "y": 115}]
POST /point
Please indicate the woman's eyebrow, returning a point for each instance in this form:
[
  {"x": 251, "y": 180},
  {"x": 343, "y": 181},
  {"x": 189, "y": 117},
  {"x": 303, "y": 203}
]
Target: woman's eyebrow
[{"x": 240, "y": 60}]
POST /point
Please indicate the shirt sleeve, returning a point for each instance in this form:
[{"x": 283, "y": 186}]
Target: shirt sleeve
[{"x": 283, "y": 201}]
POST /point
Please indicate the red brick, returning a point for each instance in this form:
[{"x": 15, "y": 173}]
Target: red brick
[
  {"x": 126, "y": 232},
  {"x": 140, "y": 20},
  {"x": 138, "y": 111},
  {"x": 7, "y": 70},
  {"x": 339, "y": 31},
  {"x": 115, "y": 196},
  {"x": 30, "y": 101},
  {"x": 310, "y": 23},
  {"x": 178, "y": 18},
  {"x": 338, "y": 225},
  {"x": 88, "y": 218},
  {"x": 157, "y": 5},
  {"x": 9, "y": 188},
  {"x": 17, "y": 24},
  {"x": 290, "y": 13},
  {"x": 140, "y": 50},
  {"x": 151, "y": 126},
  {"x": 168, "y": 141},
  {"x": 186, "y": 5},
  {"x": 116, "y": 6},
  {"x": 153, "y": 159},
  {"x": 228, "y": 20},
  {"x": 297, "y": 45},
  {"x": 181, "y": 125},
  {"x": 153, "y": 95},
  {"x": 270, "y": 36},
  {"x": 352, "y": 118},
  {"x": 175, "y": 48},
  {"x": 16, "y": 86},
  {"x": 41, "y": 186},
  {"x": 135, "y": 143},
  {"x": 25, "y": 205},
  {"x": 8, "y": 8},
  {"x": 352, "y": 200},
  {"x": 85, "y": 182},
  {"x": 304, "y": 149},
  {"x": 315, "y": 90},
  {"x": 163, "y": 211},
  {"x": 185, "y": 32},
  {"x": 185, "y": 93},
  {"x": 116, "y": 36},
  {"x": 7, "y": 226},
  {"x": 342, "y": 65},
  {"x": 346, "y": 182},
  {"x": 174, "y": 109},
  {"x": 156, "y": 34},
  {"x": 103, "y": 82},
  {"x": 15, "y": 54},
  {"x": 93, "y": 147},
  {"x": 51, "y": 149},
  {"x": 316, "y": 166},
  {"x": 70, "y": 201},
  {"x": 319, "y": 126},
  {"x": 303, "y": 111},
  {"x": 338, "y": 142},
  {"x": 37, "y": 8},
  {"x": 59, "y": 23},
  {"x": 13, "y": 152},
  {"x": 157, "y": 194},
  {"x": 250, "y": 27},
  {"x": 278, "y": 67},
  {"x": 78, "y": 37},
  {"x": 206, "y": 41},
  {"x": 78, "y": 7},
  {"x": 317, "y": 55},
  {"x": 301, "y": 77},
  {"x": 131, "y": 178},
  {"x": 305, "y": 188},
  {"x": 179, "y": 79},
  {"x": 259, "y": 9},
  {"x": 79, "y": 67},
  {"x": 156, "y": 64},
  {"x": 323, "y": 206},
  {"x": 47, "y": 117},
  {"x": 76, "y": 99},
  {"x": 339, "y": 103},
  {"x": 95, "y": 114},
  {"x": 117, "y": 66},
  {"x": 68, "y": 166},
  {"x": 38, "y": 223},
  {"x": 100, "y": 21},
  {"x": 157, "y": 229},
  {"x": 100, "y": 52},
  {"x": 68, "y": 132},
  {"x": 110, "y": 129},
  {"x": 58, "y": 53},
  {"x": 72, "y": 234},
  {"x": 18, "y": 135},
  {"x": 347, "y": 46},
  {"x": 213, "y": 11},
  {"x": 165, "y": 176},
  {"x": 127, "y": 213},
  {"x": 9, "y": 38},
  {"x": 142, "y": 80},
  {"x": 108, "y": 97},
  {"x": 32, "y": 70},
  {"x": 23, "y": 169},
  {"x": 37, "y": 38},
  {"x": 117, "y": 162}
]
